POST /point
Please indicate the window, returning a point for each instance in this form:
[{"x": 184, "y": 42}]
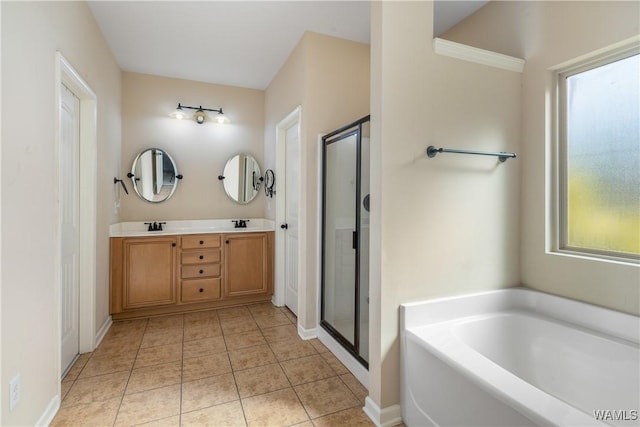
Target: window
[{"x": 599, "y": 124}]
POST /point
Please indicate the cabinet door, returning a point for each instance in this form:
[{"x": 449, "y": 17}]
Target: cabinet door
[
  {"x": 245, "y": 264},
  {"x": 149, "y": 272}
]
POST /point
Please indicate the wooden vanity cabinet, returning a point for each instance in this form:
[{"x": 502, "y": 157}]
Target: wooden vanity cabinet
[
  {"x": 200, "y": 269},
  {"x": 146, "y": 274},
  {"x": 246, "y": 264},
  {"x": 170, "y": 274}
]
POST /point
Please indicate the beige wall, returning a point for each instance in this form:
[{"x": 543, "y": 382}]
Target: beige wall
[
  {"x": 547, "y": 34},
  {"x": 329, "y": 77},
  {"x": 439, "y": 226},
  {"x": 200, "y": 151},
  {"x": 31, "y": 34}
]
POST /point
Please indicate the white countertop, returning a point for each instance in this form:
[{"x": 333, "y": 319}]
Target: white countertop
[{"x": 199, "y": 226}]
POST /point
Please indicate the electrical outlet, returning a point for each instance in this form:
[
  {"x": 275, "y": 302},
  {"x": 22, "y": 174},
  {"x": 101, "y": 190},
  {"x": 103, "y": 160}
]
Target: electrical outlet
[{"x": 14, "y": 391}]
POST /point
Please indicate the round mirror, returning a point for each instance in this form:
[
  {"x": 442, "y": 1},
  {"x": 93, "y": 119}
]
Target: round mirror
[
  {"x": 154, "y": 175},
  {"x": 241, "y": 178}
]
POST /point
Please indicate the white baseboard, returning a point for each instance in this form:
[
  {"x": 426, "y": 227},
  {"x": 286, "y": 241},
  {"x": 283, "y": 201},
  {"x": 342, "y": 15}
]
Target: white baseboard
[
  {"x": 387, "y": 417},
  {"x": 307, "y": 334},
  {"x": 50, "y": 412},
  {"x": 102, "y": 332},
  {"x": 355, "y": 367}
]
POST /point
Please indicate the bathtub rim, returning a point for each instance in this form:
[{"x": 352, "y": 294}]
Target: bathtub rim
[
  {"x": 601, "y": 319},
  {"x": 546, "y": 409}
]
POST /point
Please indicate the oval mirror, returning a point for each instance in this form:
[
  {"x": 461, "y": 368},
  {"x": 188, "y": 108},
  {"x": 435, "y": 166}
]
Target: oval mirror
[
  {"x": 241, "y": 178},
  {"x": 154, "y": 175}
]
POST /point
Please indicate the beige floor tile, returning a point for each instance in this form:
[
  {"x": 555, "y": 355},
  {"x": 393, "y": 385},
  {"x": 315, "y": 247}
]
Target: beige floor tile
[
  {"x": 203, "y": 347},
  {"x": 262, "y": 309},
  {"x": 158, "y": 337},
  {"x": 355, "y": 386},
  {"x": 96, "y": 389},
  {"x": 118, "y": 347},
  {"x": 228, "y": 415},
  {"x": 73, "y": 373},
  {"x": 207, "y": 392},
  {"x": 354, "y": 417},
  {"x": 251, "y": 357},
  {"x": 244, "y": 340},
  {"x": 228, "y": 313},
  {"x": 307, "y": 369},
  {"x": 200, "y": 331},
  {"x": 65, "y": 387},
  {"x": 261, "y": 379},
  {"x": 155, "y": 376},
  {"x": 127, "y": 329},
  {"x": 321, "y": 348},
  {"x": 304, "y": 424},
  {"x": 287, "y": 350},
  {"x": 149, "y": 405},
  {"x": 164, "y": 322},
  {"x": 292, "y": 317},
  {"x": 158, "y": 355},
  {"x": 205, "y": 366},
  {"x": 271, "y": 320},
  {"x": 106, "y": 365},
  {"x": 200, "y": 317},
  {"x": 335, "y": 364},
  {"x": 237, "y": 325},
  {"x": 325, "y": 397},
  {"x": 279, "y": 408},
  {"x": 91, "y": 414},
  {"x": 165, "y": 422},
  {"x": 281, "y": 333}
]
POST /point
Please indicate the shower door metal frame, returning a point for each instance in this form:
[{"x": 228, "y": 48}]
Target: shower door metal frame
[{"x": 354, "y": 128}]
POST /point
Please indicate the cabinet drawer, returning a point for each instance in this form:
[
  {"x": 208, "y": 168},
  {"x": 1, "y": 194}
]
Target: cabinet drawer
[
  {"x": 200, "y": 290},
  {"x": 200, "y": 241},
  {"x": 200, "y": 257},
  {"x": 202, "y": 270}
]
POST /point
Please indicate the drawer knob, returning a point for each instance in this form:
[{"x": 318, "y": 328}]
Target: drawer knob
[
  {"x": 173, "y": 245},
  {"x": 201, "y": 256},
  {"x": 201, "y": 290},
  {"x": 227, "y": 242},
  {"x": 201, "y": 271},
  {"x": 202, "y": 242}
]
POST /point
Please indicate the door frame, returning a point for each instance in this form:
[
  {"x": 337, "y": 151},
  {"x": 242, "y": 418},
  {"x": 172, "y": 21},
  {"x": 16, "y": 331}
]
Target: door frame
[
  {"x": 279, "y": 292},
  {"x": 87, "y": 176}
]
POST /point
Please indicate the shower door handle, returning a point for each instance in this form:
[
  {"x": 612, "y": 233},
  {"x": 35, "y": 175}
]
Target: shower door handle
[{"x": 354, "y": 241}]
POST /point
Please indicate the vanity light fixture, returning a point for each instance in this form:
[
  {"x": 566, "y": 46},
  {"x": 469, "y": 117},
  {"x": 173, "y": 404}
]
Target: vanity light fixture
[{"x": 200, "y": 116}]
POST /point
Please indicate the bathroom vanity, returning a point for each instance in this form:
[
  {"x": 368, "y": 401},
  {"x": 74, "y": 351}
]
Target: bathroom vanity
[{"x": 189, "y": 265}]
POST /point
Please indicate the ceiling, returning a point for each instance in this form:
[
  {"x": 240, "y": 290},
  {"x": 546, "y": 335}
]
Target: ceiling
[{"x": 235, "y": 43}]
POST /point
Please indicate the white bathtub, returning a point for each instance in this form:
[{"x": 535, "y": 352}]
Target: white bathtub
[{"x": 517, "y": 357}]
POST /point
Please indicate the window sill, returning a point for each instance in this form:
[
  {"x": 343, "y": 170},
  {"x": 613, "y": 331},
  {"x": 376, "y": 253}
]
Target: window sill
[{"x": 570, "y": 253}]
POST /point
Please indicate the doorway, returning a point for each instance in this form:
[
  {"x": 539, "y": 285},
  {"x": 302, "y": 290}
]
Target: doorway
[
  {"x": 69, "y": 230},
  {"x": 288, "y": 230},
  {"x": 345, "y": 238},
  {"x": 77, "y": 181}
]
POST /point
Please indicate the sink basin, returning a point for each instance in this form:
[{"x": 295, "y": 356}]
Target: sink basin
[{"x": 139, "y": 228}]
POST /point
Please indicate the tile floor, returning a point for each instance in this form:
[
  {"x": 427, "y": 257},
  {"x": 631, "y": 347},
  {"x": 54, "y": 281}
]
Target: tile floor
[{"x": 230, "y": 367}]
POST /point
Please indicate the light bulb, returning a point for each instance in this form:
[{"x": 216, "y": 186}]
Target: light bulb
[{"x": 179, "y": 113}]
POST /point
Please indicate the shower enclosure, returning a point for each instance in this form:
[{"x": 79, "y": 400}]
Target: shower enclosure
[{"x": 345, "y": 238}]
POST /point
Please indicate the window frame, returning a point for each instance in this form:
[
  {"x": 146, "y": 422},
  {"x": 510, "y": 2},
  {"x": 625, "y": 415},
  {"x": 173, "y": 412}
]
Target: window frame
[{"x": 560, "y": 198}]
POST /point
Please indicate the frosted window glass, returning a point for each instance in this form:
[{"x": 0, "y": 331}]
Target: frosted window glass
[{"x": 603, "y": 158}]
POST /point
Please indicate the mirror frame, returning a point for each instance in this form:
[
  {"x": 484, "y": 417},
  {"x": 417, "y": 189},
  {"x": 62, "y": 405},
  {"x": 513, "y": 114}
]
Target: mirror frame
[{"x": 134, "y": 179}]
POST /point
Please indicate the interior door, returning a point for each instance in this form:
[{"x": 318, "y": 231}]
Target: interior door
[
  {"x": 292, "y": 197},
  {"x": 69, "y": 214}
]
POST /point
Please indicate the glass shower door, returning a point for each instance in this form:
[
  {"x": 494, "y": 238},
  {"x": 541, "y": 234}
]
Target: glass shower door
[{"x": 345, "y": 238}]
